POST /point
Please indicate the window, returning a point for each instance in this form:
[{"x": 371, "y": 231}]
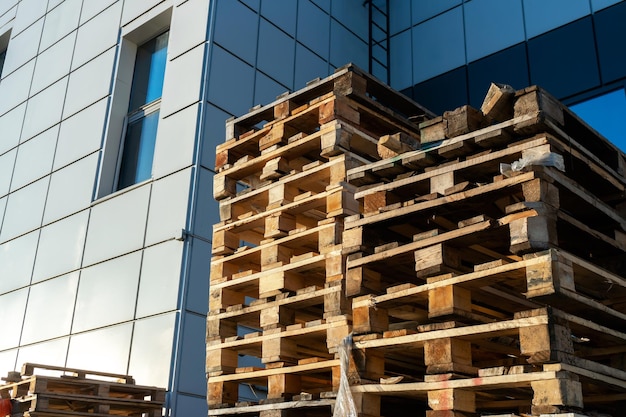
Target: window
[
  {"x": 137, "y": 150},
  {"x": 3, "y": 54},
  {"x": 4, "y": 42}
]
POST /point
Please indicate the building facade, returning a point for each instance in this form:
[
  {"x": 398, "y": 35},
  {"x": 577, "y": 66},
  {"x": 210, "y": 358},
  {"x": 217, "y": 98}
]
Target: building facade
[{"x": 110, "y": 111}]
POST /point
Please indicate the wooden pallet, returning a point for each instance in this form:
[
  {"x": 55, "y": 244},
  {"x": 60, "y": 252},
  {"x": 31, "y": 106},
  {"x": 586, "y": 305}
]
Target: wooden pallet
[
  {"x": 80, "y": 392},
  {"x": 349, "y": 94},
  {"x": 470, "y": 284}
]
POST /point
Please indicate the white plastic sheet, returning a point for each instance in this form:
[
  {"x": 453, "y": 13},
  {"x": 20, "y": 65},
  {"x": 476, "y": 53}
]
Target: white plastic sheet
[
  {"x": 534, "y": 157},
  {"x": 344, "y": 404}
]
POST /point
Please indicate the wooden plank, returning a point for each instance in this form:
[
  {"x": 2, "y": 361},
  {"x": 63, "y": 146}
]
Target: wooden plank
[
  {"x": 291, "y": 405},
  {"x": 471, "y": 332},
  {"x": 411, "y": 247},
  {"x": 494, "y": 156},
  {"x": 498, "y": 102}
]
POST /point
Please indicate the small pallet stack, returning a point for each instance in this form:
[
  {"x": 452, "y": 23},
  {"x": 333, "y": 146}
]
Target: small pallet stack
[
  {"x": 277, "y": 269},
  {"x": 478, "y": 258},
  {"x": 79, "y": 393},
  {"x": 487, "y": 269}
]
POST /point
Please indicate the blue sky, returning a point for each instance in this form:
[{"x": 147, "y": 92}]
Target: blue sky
[{"x": 606, "y": 114}]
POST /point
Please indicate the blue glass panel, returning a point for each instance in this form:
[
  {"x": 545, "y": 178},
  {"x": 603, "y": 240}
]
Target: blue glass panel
[
  {"x": 308, "y": 66},
  {"x": 352, "y": 14},
  {"x": 138, "y": 152},
  {"x": 281, "y": 13},
  {"x": 505, "y": 67},
  {"x": 445, "y": 92},
  {"x": 542, "y": 16},
  {"x": 346, "y": 47},
  {"x": 606, "y": 114},
  {"x": 236, "y": 29},
  {"x": 424, "y": 10},
  {"x": 313, "y": 27},
  {"x": 401, "y": 64},
  {"x": 438, "y": 45},
  {"x": 276, "y": 53},
  {"x": 611, "y": 32},
  {"x": 231, "y": 82},
  {"x": 564, "y": 60},
  {"x": 399, "y": 16},
  {"x": 488, "y": 35},
  {"x": 601, "y": 4},
  {"x": 149, "y": 71}
]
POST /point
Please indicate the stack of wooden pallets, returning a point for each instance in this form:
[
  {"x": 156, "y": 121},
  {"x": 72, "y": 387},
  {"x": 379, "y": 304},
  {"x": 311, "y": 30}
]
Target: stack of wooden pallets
[
  {"x": 479, "y": 260},
  {"x": 277, "y": 273},
  {"x": 79, "y": 393},
  {"x": 488, "y": 267}
]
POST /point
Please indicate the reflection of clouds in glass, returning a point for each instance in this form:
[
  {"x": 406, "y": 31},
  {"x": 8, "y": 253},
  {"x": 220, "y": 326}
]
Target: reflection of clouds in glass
[
  {"x": 107, "y": 292},
  {"x": 151, "y": 352},
  {"x": 16, "y": 260},
  {"x": 49, "y": 353},
  {"x": 12, "y": 306},
  {"x": 104, "y": 350},
  {"x": 60, "y": 247},
  {"x": 50, "y": 309}
]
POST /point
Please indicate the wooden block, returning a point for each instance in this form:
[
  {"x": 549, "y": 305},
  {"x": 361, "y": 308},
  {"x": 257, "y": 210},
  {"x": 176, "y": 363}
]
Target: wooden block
[
  {"x": 498, "y": 103},
  {"x": 275, "y": 315},
  {"x": 549, "y": 278},
  {"x": 279, "y": 225},
  {"x": 452, "y": 399},
  {"x": 223, "y": 187},
  {"x": 336, "y": 334},
  {"x": 361, "y": 281},
  {"x": 433, "y": 130},
  {"x": 350, "y": 83},
  {"x": 552, "y": 394},
  {"x": 419, "y": 161},
  {"x": 342, "y": 203},
  {"x": 533, "y": 234},
  {"x": 329, "y": 237},
  {"x": 448, "y": 355},
  {"x": 463, "y": 120},
  {"x": 539, "y": 190},
  {"x": 367, "y": 404},
  {"x": 221, "y": 298},
  {"x": 339, "y": 108},
  {"x": 334, "y": 264},
  {"x": 448, "y": 300},
  {"x": 283, "y": 385},
  {"x": 536, "y": 101},
  {"x": 543, "y": 343},
  {"x": 374, "y": 201},
  {"x": 368, "y": 319},
  {"x": 222, "y": 393},
  {"x": 222, "y": 271},
  {"x": 224, "y": 242},
  {"x": 392, "y": 145},
  {"x": 335, "y": 142},
  {"x": 278, "y": 134},
  {"x": 281, "y": 349},
  {"x": 280, "y": 194},
  {"x": 275, "y": 253},
  {"x": 275, "y": 168},
  {"x": 222, "y": 361},
  {"x": 436, "y": 259},
  {"x": 283, "y": 109},
  {"x": 440, "y": 183},
  {"x": 273, "y": 283}
]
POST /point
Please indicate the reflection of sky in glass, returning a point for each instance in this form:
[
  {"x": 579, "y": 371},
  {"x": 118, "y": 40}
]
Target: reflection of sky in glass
[{"x": 606, "y": 114}]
